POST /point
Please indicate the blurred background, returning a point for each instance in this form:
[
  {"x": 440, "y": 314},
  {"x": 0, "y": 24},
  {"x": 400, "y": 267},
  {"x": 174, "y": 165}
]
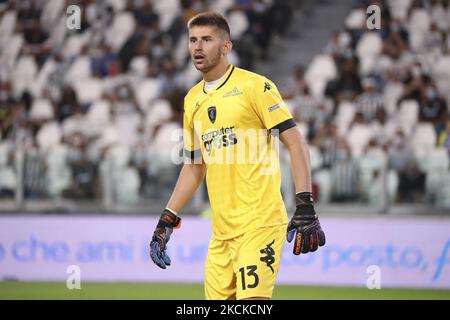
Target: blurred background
[{"x": 89, "y": 116}]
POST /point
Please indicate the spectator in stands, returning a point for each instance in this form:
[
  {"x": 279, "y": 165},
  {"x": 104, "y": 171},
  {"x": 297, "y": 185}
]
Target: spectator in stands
[
  {"x": 126, "y": 114},
  {"x": 344, "y": 175},
  {"x": 328, "y": 141},
  {"x": 348, "y": 84},
  {"x": 85, "y": 182},
  {"x": 36, "y": 39},
  {"x": 34, "y": 173},
  {"x": 395, "y": 36},
  {"x": 369, "y": 101},
  {"x": 414, "y": 82},
  {"x": 383, "y": 127},
  {"x": 66, "y": 105},
  {"x": 400, "y": 153},
  {"x": 105, "y": 62},
  {"x": 146, "y": 16},
  {"x": 411, "y": 187},
  {"x": 433, "y": 108},
  {"x": 296, "y": 83}
]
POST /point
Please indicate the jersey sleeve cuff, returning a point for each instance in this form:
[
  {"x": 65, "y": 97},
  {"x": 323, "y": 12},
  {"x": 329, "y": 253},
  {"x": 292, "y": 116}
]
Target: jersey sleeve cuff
[
  {"x": 282, "y": 126},
  {"x": 192, "y": 154}
]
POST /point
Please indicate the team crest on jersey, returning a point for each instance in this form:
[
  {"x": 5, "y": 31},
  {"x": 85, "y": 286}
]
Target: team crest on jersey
[{"x": 212, "y": 113}]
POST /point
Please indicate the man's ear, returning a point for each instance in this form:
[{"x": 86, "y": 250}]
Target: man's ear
[{"x": 227, "y": 47}]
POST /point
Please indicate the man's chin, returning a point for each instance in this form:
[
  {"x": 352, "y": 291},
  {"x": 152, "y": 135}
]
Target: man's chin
[{"x": 201, "y": 67}]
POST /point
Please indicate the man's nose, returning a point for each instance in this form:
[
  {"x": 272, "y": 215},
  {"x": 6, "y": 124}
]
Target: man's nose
[{"x": 199, "y": 45}]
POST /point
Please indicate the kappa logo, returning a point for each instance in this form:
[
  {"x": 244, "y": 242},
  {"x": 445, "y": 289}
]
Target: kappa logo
[
  {"x": 212, "y": 113},
  {"x": 269, "y": 253},
  {"x": 232, "y": 93},
  {"x": 267, "y": 86}
]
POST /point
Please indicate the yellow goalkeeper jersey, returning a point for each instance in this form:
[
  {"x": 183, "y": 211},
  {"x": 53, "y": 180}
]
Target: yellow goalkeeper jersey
[{"x": 233, "y": 128}]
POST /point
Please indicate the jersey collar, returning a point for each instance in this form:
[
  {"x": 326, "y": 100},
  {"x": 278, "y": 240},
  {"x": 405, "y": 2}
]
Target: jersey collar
[{"x": 228, "y": 75}]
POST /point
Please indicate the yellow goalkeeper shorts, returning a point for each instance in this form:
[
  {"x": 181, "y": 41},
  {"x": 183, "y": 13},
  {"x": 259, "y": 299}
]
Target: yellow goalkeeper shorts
[{"x": 245, "y": 266}]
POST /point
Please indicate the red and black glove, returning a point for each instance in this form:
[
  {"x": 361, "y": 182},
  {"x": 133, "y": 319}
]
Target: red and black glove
[{"x": 305, "y": 226}]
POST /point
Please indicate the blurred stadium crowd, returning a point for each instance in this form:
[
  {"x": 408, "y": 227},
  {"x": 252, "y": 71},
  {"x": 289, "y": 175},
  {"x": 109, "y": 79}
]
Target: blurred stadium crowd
[
  {"x": 374, "y": 106},
  {"x": 94, "y": 110}
]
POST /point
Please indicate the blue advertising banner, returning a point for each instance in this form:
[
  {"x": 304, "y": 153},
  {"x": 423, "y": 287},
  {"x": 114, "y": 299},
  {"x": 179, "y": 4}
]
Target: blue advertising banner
[{"x": 383, "y": 252}]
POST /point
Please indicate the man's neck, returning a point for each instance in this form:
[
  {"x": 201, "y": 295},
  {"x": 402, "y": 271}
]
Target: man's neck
[{"x": 217, "y": 72}]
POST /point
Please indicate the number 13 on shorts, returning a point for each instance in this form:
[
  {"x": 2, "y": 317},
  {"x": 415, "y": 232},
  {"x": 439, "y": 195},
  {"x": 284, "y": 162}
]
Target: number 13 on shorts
[{"x": 246, "y": 266}]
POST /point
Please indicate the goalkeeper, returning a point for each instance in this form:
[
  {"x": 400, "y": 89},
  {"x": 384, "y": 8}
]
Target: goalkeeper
[{"x": 231, "y": 120}]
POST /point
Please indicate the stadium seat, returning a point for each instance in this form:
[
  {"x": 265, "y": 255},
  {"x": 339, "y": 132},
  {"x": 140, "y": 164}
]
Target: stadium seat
[
  {"x": 74, "y": 44},
  {"x": 41, "y": 109},
  {"x": 8, "y": 178},
  {"x": 399, "y": 8},
  {"x": 323, "y": 180},
  {"x": 370, "y": 45},
  {"x": 49, "y": 135},
  {"x": 345, "y": 114},
  {"x": 138, "y": 66},
  {"x": 118, "y": 5},
  {"x": 222, "y": 5},
  {"x": 356, "y": 19},
  {"x": 51, "y": 13},
  {"x": 24, "y": 73},
  {"x": 392, "y": 185},
  {"x": 321, "y": 70},
  {"x": 120, "y": 30},
  {"x": 441, "y": 72},
  {"x": 391, "y": 95},
  {"x": 158, "y": 112},
  {"x": 88, "y": 89},
  {"x": 80, "y": 69},
  {"x": 7, "y": 25},
  {"x": 407, "y": 115},
  {"x": 98, "y": 116},
  {"x": 37, "y": 87},
  {"x": 238, "y": 19},
  {"x": 419, "y": 25},
  {"x": 168, "y": 11},
  {"x": 74, "y": 124},
  {"x": 315, "y": 157},
  {"x": 369, "y": 163},
  {"x": 58, "y": 172},
  {"x": 358, "y": 137},
  {"x": 120, "y": 156},
  {"x": 5, "y": 149},
  {"x": 167, "y": 139},
  {"x": 424, "y": 137},
  {"x": 146, "y": 92},
  {"x": 126, "y": 185}
]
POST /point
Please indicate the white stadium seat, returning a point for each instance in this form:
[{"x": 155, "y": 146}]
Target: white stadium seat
[
  {"x": 407, "y": 115},
  {"x": 41, "y": 109},
  {"x": 424, "y": 137},
  {"x": 49, "y": 135},
  {"x": 88, "y": 90}
]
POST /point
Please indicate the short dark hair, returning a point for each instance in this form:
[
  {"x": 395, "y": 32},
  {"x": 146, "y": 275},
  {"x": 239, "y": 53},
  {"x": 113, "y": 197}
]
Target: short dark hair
[{"x": 210, "y": 19}]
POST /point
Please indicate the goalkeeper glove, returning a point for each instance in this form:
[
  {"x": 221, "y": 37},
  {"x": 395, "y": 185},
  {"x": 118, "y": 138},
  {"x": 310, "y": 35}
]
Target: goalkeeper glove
[
  {"x": 167, "y": 222},
  {"x": 305, "y": 226}
]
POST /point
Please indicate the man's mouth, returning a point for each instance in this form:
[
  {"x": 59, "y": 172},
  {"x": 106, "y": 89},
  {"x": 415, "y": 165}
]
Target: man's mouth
[{"x": 198, "y": 58}]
